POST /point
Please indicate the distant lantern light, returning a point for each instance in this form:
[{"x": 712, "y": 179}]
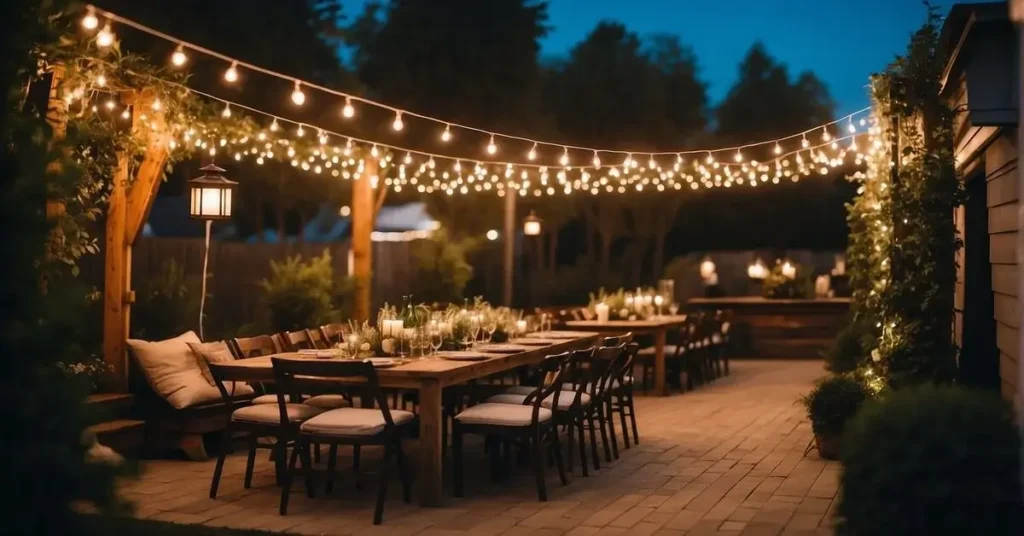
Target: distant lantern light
[
  {"x": 707, "y": 268},
  {"x": 178, "y": 58},
  {"x": 531, "y": 225},
  {"x": 210, "y": 195},
  {"x": 492, "y": 235}
]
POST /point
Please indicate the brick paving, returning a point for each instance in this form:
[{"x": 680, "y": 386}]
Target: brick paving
[{"x": 724, "y": 459}]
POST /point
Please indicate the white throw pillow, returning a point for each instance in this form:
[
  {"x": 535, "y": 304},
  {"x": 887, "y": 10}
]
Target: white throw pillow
[{"x": 171, "y": 369}]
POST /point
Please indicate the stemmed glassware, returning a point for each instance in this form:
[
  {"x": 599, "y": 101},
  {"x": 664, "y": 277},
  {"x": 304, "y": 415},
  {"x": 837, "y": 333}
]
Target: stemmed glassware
[
  {"x": 490, "y": 326},
  {"x": 436, "y": 336}
]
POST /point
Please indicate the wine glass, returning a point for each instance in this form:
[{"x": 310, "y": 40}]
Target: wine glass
[
  {"x": 474, "y": 326},
  {"x": 545, "y": 322},
  {"x": 436, "y": 338},
  {"x": 673, "y": 308},
  {"x": 490, "y": 326}
]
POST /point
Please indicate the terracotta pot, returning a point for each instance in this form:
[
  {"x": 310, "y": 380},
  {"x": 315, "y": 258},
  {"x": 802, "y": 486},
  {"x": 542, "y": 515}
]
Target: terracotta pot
[{"x": 828, "y": 446}]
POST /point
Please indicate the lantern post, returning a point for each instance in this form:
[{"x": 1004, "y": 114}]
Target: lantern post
[{"x": 210, "y": 199}]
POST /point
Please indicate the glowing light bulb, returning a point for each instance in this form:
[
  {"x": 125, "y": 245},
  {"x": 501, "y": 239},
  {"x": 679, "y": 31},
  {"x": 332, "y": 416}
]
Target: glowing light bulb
[
  {"x": 273, "y": 126},
  {"x": 231, "y": 75},
  {"x": 710, "y": 159},
  {"x": 374, "y": 152},
  {"x": 300, "y": 132},
  {"x": 597, "y": 160},
  {"x": 408, "y": 159},
  {"x": 109, "y": 104},
  {"x": 778, "y": 149},
  {"x": 863, "y": 121},
  {"x": 323, "y": 138},
  {"x": 101, "y": 80},
  {"x": 348, "y": 111},
  {"x": 564, "y": 159},
  {"x": 106, "y": 37},
  {"x": 738, "y": 156},
  {"x": 804, "y": 143},
  {"x": 446, "y": 136},
  {"x": 397, "y": 124},
  {"x": 651, "y": 163},
  {"x": 227, "y": 111},
  {"x": 178, "y": 58},
  {"x": 125, "y": 114},
  {"x": 851, "y": 127},
  {"x": 532, "y": 155},
  {"x": 298, "y": 97},
  {"x": 825, "y": 135},
  {"x": 89, "y": 21},
  {"x": 492, "y": 148},
  {"x": 156, "y": 105}
]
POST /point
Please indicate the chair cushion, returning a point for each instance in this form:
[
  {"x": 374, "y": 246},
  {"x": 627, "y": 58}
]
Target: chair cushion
[
  {"x": 353, "y": 421},
  {"x": 265, "y": 399},
  {"x": 565, "y": 399},
  {"x": 210, "y": 352},
  {"x": 502, "y": 415},
  {"x": 172, "y": 371},
  {"x": 271, "y": 413},
  {"x": 670, "y": 350},
  {"x": 327, "y": 401},
  {"x": 520, "y": 390}
]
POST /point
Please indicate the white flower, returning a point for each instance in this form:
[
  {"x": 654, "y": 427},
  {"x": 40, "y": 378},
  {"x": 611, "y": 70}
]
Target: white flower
[
  {"x": 365, "y": 347},
  {"x": 623, "y": 313},
  {"x": 876, "y": 356},
  {"x": 388, "y": 345}
]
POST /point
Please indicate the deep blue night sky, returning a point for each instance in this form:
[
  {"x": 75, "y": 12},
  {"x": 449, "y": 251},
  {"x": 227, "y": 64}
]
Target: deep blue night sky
[{"x": 842, "y": 41}]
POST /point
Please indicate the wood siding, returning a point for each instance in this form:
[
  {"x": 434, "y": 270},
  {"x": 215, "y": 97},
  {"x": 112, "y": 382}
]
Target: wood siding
[{"x": 1001, "y": 178}]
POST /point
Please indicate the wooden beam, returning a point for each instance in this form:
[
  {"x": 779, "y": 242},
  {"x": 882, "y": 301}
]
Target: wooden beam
[
  {"x": 363, "y": 209},
  {"x": 147, "y": 182},
  {"x": 115, "y": 315}
]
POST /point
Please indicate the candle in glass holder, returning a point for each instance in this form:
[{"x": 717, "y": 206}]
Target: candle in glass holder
[
  {"x": 788, "y": 270},
  {"x": 521, "y": 326},
  {"x": 602, "y": 312},
  {"x": 392, "y": 328}
]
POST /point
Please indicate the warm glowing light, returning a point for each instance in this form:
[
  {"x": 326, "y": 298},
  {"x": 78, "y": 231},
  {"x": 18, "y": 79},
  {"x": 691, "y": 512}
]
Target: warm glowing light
[
  {"x": 564, "y": 159},
  {"x": 374, "y": 152},
  {"x": 227, "y": 111},
  {"x": 851, "y": 127},
  {"x": 348, "y": 111},
  {"x": 231, "y": 75},
  {"x": 397, "y": 124},
  {"x": 274, "y": 126},
  {"x": 446, "y": 136},
  {"x": 825, "y": 135},
  {"x": 804, "y": 143},
  {"x": 298, "y": 97},
  {"x": 345, "y": 211},
  {"x": 106, "y": 37},
  {"x": 492, "y": 148},
  {"x": 408, "y": 159},
  {"x": 531, "y": 225},
  {"x": 778, "y": 149},
  {"x": 89, "y": 21},
  {"x": 532, "y": 155},
  {"x": 492, "y": 235},
  {"x": 597, "y": 161},
  {"x": 156, "y": 105},
  {"x": 738, "y": 156},
  {"x": 109, "y": 104},
  {"x": 300, "y": 132},
  {"x": 126, "y": 114},
  {"x": 178, "y": 58},
  {"x": 101, "y": 80}
]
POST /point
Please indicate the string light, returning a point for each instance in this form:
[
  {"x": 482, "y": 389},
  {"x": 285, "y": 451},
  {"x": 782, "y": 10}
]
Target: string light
[
  {"x": 824, "y": 134},
  {"x": 397, "y": 124},
  {"x": 126, "y": 114},
  {"x": 231, "y": 75},
  {"x": 804, "y": 143},
  {"x": 374, "y": 152},
  {"x": 778, "y": 148},
  {"x": 227, "y": 111},
  {"x": 564, "y": 159},
  {"x": 597, "y": 161},
  {"x": 300, "y": 132},
  {"x": 492, "y": 148},
  {"x": 348, "y": 111},
  {"x": 532, "y": 155},
  {"x": 109, "y": 104},
  {"x": 89, "y": 21},
  {"x": 106, "y": 37},
  {"x": 446, "y": 136},
  {"x": 273, "y": 126},
  {"x": 178, "y": 58},
  {"x": 156, "y": 104},
  {"x": 298, "y": 97},
  {"x": 651, "y": 164},
  {"x": 851, "y": 127}
]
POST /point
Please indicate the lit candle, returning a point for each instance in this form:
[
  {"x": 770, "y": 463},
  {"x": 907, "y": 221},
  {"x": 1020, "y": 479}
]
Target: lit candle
[
  {"x": 788, "y": 270},
  {"x": 521, "y": 326},
  {"x": 648, "y": 299},
  {"x": 602, "y": 312},
  {"x": 659, "y": 300}
]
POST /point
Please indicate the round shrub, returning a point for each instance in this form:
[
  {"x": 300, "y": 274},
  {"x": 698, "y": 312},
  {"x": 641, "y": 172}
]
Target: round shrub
[
  {"x": 833, "y": 402},
  {"x": 932, "y": 460},
  {"x": 848, "y": 352}
]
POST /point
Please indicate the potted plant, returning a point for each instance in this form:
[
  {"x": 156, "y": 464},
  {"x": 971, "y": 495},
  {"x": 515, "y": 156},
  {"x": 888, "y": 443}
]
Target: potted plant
[{"x": 829, "y": 405}]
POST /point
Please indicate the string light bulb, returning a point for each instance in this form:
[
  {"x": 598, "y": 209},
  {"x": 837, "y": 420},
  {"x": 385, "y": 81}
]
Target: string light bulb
[
  {"x": 106, "y": 37},
  {"x": 231, "y": 75},
  {"x": 651, "y": 163},
  {"x": 408, "y": 158},
  {"x": 178, "y": 58},
  {"x": 157, "y": 105},
  {"x": 824, "y": 134},
  {"x": 532, "y": 155},
  {"x": 492, "y": 148},
  {"x": 446, "y": 136},
  {"x": 778, "y": 148},
  {"x": 227, "y": 111},
  {"x": 300, "y": 132},
  {"x": 89, "y": 21},
  {"x": 564, "y": 159},
  {"x": 274, "y": 126},
  {"x": 851, "y": 127},
  {"x": 804, "y": 143},
  {"x": 397, "y": 124},
  {"x": 126, "y": 114},
  {"x": 374, "y": 152},
  {"x": 298, "y": 97},
  {"x": 738, "y": 157},
  {"x": 109, "y": 104},
  {"x": 322, "y": 138},
  {"x": 348, "y": 111},
  {"x": 710, "y": 159},
  {"x": 597, "y": 161},
  {"x": 101, "y": 80}
]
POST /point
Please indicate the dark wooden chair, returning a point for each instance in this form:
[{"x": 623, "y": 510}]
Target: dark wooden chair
[
  {"x": 297, "y": 340},
  {"x": 529, "y": 426},
  {"x": 317, "y": 339},
  {"x": 255, "y": 422},
  {"x": 343, "y": 426},
  {"x": 258, "y": 346},
  {"x": 334, "y": 333},
  {"x": 620, "y": 396}
]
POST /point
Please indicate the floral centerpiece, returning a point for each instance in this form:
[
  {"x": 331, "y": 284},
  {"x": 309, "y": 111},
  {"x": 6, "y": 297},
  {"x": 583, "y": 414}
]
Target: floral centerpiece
[
  {"x": 786, "y": 281},
  {"x": 363, "y": 340},
  {"x": 623, "y": 305}
]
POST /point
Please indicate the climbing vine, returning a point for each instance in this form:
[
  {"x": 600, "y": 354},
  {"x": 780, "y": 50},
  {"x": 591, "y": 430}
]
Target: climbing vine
[{"x": 903, "y": 239}]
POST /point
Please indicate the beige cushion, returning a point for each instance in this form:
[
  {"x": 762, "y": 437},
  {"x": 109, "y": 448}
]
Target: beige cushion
[
  {"x": 565, "y": 399},
  {"x": 210, "y": 352},
  {"x": 353, "y": 421},
  {"x": 327, "y": 401},
  {"x": 265, "y": 399},
  {"x": 502, "y": 415},
  {"x": 271, "y": 413},
  {"x": 172, "y": 371}
]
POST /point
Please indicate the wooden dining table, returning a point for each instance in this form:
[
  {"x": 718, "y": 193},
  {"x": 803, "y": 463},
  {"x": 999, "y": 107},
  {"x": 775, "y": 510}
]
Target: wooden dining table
[
  {"x": 429, "y": 376},
  {"x": 658, "y": 326}
]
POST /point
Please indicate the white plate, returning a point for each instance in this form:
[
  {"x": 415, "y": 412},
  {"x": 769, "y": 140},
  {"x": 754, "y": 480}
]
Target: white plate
[
  {"x": 501, "y": 348},
  {"x": 528, "y": 341},
  {"x": 462, "y": 356},
  {"x": 562, "y": 334},
  {"x": 382, "y": 362}
]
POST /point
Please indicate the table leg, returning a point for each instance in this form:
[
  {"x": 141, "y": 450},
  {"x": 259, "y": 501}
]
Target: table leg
[
  {"x": 659, "y": 363},
  {"x": 431, "y": 478}
]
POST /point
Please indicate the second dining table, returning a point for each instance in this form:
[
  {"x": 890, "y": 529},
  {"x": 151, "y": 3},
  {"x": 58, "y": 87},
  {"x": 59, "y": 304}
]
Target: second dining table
[
  {"x": 429, "y": 376},
  {"x": 658, "y": 326}
]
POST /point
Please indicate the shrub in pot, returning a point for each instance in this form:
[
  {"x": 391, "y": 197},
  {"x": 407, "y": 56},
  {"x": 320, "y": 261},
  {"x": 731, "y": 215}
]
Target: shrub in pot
[
  {"x": 848, "y": 350},
  {"x": 830, "y": 405},
  {"x": 932, "y": 460}
]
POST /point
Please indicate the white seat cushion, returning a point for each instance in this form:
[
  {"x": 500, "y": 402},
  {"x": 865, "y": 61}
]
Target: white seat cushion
[
  {"x": 265, "y": 399},
  {"x": 353, "y": 421},
  {"x": 565, "y": 399},
  {"x": 271, "y": 413},
  {"x": 327, "y": 401},
  {"x": 502, "y": 415}
]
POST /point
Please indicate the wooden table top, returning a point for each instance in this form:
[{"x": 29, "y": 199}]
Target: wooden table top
[
  {"x": 445, "y": 371},
  {"x": 662, "y": 321}
]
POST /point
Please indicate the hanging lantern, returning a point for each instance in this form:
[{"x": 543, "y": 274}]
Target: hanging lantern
[
  {"x": 210, "y": 194},
  {"x": 531, "y": 225}
]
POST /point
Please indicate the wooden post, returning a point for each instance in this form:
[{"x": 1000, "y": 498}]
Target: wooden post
[
  {"x": 126, "y": 212},
  {"x": 509, "y": 245},
  {"x": 363, "y": 209}
]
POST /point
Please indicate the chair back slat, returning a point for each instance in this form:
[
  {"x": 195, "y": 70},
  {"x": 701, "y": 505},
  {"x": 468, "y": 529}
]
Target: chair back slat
[
  {"x": 334, "y": 333},
  {"x": 553, "y": 366},
  {"x": 226, "y": 373},
  {"x": 317, "y": 339},
  {"x": 616, "y": 340},
  {"x": 258, "y": 346},
  {"x": 297, "y": 340},
  {"x": 296, "y": 376}
]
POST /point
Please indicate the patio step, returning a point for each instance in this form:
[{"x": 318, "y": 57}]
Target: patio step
[
  {"x": 111, "y": 405},
  {"x": 123, "y": 435}
]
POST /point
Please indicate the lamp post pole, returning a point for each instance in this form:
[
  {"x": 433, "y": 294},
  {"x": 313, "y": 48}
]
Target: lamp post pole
[{"x": 509, "y": 245}]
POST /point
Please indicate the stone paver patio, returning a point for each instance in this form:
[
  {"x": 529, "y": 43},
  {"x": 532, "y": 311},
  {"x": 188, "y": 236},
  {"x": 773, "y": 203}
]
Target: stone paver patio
[{"x": 724, "y": 459}]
